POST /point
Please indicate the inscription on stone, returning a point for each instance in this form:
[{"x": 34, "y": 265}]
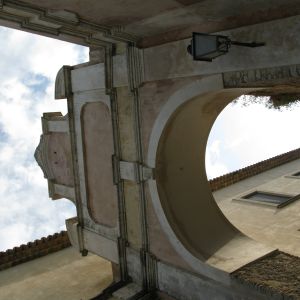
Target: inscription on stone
[{"x": 262, "y": 77}]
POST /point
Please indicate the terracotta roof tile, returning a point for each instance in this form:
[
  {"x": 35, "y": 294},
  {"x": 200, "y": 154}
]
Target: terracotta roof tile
[{"x": 32, "y": 250}]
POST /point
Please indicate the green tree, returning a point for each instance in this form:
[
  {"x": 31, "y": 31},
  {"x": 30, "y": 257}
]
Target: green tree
[{"x": 272, "y": 100}]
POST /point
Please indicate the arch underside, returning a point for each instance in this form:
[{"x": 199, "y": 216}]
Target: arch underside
[{"x": 187, "y": 210}]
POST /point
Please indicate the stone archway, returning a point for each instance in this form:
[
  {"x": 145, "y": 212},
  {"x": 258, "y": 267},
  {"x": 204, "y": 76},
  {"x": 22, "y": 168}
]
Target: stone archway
[{"x": 181, "y": 195}]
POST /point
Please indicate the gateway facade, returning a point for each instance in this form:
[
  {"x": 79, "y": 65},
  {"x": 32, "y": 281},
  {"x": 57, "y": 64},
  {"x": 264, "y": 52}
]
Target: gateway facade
[{"x": 130, "y": 151}]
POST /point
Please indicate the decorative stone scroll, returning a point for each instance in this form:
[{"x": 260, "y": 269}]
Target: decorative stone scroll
[
  {"x": 54, "y": 157},
  {"x": 285, "y": 75}
]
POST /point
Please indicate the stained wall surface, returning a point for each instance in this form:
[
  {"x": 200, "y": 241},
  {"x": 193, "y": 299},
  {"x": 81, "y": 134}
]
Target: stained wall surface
[
  {"x": 98, "y": 149},
  {"x": 161, "y": 21},
  {"x": 60, "y": 158},
  {"x": 277, "y": 227},
  {"x": 64, "y": 275}
]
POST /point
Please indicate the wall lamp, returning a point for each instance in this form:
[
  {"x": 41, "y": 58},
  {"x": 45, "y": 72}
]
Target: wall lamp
[{"x": 206, "y": 47}]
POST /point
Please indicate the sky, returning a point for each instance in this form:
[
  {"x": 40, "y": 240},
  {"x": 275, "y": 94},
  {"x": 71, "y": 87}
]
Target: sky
[
  {"x": 28, "y": 67},
  {"x": 29, "y": 63},
  {"x": 243, "y": 135}
]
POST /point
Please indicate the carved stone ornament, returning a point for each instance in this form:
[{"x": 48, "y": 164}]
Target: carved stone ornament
[{"x": 41, "y": 157}]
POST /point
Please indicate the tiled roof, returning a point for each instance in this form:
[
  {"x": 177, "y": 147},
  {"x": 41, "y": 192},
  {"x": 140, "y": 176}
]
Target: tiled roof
[
  {"x": 32, "y": 250},
  {"x": 276, "y": 275},
  {"x": 265, "y": 165}
]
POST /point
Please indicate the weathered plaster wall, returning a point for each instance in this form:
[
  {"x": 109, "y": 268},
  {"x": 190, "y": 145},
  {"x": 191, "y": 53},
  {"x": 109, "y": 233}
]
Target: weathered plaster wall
[
  {"x": 177, "y": 63},
  {"x": 185, "y": 227},
  {"x": 160, "y": 245},
  {"x": 126, "y": 117},
  {"x": 98, "y": 149},
  {"x": 153, "y": 96},
  {"x": 180, "y": 132},
  {"x": 60, "y": 158},
  {"x": 64, "y": 275},
  {"x": 276, "y": 227}
]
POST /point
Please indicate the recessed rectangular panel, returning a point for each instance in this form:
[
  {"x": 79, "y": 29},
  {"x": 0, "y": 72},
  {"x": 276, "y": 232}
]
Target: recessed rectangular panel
[{"x": 97, "y": 135}]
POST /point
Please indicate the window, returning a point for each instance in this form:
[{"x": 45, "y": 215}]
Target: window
[
  {"x": 273, "y": 199},
  {"x": 295, "y": 175}
]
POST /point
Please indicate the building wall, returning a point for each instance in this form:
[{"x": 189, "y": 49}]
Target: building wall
[
  {"x": 277, "y": 227},
  {"x": 63, "y": 275}
]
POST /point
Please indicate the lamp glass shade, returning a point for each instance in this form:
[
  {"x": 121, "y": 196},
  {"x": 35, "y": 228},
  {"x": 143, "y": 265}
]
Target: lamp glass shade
[{"x": 207, "y": 47}]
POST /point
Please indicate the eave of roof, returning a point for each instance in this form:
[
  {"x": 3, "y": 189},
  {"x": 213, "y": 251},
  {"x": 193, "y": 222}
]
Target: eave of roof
[{"x": 255, "y": 169}]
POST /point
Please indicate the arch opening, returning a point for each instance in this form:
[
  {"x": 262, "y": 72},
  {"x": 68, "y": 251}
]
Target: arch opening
[
  {"x": 249, "y": 130},
  {"x": 181, "y": 194},
  {"x": 246, "y": 196}
]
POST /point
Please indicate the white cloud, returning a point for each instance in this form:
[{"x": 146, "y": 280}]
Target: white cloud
[
  {"x": 28, "y": 65},
  {"x": 15, "y": 234},
  {"x": 214, "y": 164},
  {"x": 251, "y": 134}
]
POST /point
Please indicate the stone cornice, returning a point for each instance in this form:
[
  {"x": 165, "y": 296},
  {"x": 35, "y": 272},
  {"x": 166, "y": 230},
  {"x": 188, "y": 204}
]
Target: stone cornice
[{"x": 61, "y": 24}]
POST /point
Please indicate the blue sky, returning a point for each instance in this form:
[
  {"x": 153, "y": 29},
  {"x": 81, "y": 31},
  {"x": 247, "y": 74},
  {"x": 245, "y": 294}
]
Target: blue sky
[{"x": 29, "y": 63}]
